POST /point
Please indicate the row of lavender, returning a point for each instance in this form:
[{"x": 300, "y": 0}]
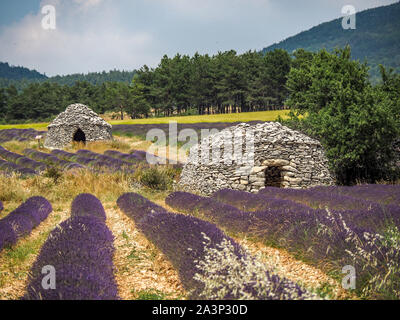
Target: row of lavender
[
  {"x": 355, "y": 232},
  {"x": 80, "y": 252},
  {"x": 19, "y": 164},
  {"x": 211, "y": 265},
  {"x": 34, "y": 162},
  {"x": 23, "y": 220},
  {"x": 19, "y": 134}
]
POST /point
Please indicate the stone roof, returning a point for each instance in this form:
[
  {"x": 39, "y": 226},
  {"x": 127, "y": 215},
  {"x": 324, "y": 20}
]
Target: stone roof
[
  {"x": 78, "y": 114},
  {"x": 267, "y": 132}
]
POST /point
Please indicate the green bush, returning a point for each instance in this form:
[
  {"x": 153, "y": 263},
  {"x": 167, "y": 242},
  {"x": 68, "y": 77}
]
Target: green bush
[
  {"x": 356, "y": 123},
  {"x": 155, "y": 178}
]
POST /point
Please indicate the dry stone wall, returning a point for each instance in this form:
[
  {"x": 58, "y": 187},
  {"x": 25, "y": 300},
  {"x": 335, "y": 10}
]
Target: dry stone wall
[{"x": 276, "y": 156}]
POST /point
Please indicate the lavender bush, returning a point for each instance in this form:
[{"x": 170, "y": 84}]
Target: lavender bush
[
  {"x": 254, "y": 202},
  {"x": 87, "y": 205},
  {"x": 8, "y": 168},
  {"x": 106, "y": 162},
  {"x": 81, "y": 251},
  {"x": 51, "y": 160},
  {"x": 316, "y": 199},
  {"x": 384, "y": 194},
  {"x": 123, "y": 156},
  {"x": 21, "y": 221},
  {"x": 224, "y": 215},
  {"x": 375, "y": 217},
  {"x": 19, "y": 134},
  {"x": 189, "y": 243},
  {"x": 1, "y": 206},
  {"x": 22, "y": 161}
]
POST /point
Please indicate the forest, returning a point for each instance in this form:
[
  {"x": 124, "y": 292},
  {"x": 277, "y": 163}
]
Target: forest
[
  {"x": 202, "y": 84},
  {"x": 21, "y": 77}
]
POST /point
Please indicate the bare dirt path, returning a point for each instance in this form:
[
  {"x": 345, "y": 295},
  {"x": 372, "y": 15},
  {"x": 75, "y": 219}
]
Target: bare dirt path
[{"x": 140, "y": 267}]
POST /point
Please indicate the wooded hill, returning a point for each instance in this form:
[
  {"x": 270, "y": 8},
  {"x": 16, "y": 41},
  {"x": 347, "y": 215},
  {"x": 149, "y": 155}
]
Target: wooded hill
[
  {"x": 21, "y": 77},
  {"x": 376, "y": 38}
]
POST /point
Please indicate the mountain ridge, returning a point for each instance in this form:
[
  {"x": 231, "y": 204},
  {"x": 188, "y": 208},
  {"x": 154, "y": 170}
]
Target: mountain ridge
[{"x": 376, "y": 38}]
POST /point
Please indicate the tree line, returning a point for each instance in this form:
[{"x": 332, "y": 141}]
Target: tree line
[{"x": 202, "y": 84}]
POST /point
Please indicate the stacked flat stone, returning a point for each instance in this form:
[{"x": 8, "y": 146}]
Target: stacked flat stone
[
  {"x": 299, "y": 160},
  {"x": 77, "y": 116}
]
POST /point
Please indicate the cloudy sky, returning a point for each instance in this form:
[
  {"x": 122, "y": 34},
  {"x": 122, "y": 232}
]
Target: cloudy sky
[{"x": 96, "y": 35}]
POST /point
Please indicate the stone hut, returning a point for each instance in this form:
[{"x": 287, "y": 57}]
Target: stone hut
[
  {"x": 77, "y": 123},
  {"x": 251, "y": 158}
]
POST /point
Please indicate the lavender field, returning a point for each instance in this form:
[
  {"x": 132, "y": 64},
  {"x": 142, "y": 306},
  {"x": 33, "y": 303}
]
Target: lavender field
[
  {"x": 329, "y": 227},
  {"x": 98, "y": 217}
]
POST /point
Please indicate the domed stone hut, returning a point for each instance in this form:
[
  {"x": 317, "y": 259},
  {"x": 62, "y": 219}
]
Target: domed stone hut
[
  {"x": 77, "y": 123},
  {"x": 254, "y": 157}
]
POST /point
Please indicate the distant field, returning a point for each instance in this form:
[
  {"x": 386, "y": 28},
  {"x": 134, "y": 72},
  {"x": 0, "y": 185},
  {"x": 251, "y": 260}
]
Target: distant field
[
  {"x": 39, "y": 126},
  {"x": 234, "y": 117}
]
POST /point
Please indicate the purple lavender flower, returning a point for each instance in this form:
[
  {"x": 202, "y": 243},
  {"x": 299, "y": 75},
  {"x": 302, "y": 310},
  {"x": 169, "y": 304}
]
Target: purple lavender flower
[
  {"x": 181, "y": 239},
  {"x": 81, "y": 251},
  {"x": 21, "y": 221},
  {"x": 87, "y": 205}
]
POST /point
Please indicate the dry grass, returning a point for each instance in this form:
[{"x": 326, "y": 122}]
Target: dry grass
[{"x": 107, "y": 187}]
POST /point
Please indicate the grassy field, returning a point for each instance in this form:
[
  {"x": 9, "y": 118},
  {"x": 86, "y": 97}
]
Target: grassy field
[
  {"x": 234, "y": 117},
  {"x": 37, "y": 126}
]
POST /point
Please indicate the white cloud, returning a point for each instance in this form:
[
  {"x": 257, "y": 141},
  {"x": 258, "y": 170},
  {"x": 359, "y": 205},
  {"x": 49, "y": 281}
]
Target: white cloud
[
  {"x": 95, "y": 35},
  {"x": 80, "y": 43}
]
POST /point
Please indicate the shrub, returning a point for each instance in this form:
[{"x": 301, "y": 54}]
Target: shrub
[
  {"x": 87, "y": 205},
  {"x": 53, "y": 173},
  {"x": 154, "y": 178},
  {"x": 357, "y": 124}
]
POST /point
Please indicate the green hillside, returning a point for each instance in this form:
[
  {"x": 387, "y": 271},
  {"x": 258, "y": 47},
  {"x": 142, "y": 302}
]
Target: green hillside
[
  {"x": 19, "y": 73},
  {"x": 376, "y": 38},
  {"x": 21, "y": 77}
]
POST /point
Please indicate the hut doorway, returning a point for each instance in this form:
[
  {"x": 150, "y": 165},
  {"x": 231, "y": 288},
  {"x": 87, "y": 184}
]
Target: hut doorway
[
  {"x": 273, "y": 177},
  {"x": 79, "y": 136}
]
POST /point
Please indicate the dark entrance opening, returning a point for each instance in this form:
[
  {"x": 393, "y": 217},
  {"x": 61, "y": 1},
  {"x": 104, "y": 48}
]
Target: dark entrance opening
[
  {"x": 273, "y": 177},
  {"x": 79, "y": 136}
]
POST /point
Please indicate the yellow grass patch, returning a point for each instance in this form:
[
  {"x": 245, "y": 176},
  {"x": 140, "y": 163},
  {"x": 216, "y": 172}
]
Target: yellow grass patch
[{"x": 231, "y": 117}]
